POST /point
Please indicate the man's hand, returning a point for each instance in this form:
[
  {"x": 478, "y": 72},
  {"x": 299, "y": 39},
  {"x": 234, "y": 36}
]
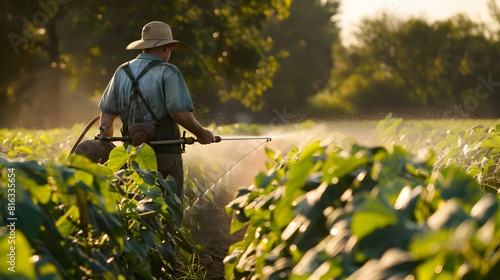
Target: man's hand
[{"x": 206, "y": 137}]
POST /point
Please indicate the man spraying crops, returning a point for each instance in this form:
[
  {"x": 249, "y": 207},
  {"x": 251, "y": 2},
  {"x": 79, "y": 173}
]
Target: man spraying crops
[{"x": 152, "y": 99}]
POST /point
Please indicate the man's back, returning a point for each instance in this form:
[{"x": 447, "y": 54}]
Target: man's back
[{"x": 163, "y": 88}]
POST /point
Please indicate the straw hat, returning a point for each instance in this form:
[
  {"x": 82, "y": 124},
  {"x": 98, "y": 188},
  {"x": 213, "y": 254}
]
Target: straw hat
[{"x": 156, "y": 34}]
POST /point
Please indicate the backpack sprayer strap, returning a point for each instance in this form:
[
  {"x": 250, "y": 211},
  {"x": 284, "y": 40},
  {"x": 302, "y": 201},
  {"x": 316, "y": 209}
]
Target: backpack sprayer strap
[
  {"x": 138, "y": 117},
  {"x": 164, "y": 128}
]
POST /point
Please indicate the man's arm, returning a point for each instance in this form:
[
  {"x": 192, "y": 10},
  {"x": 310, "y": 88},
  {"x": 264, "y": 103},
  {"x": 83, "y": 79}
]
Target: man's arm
[
  {"x": 187, "y": 120},
  {"x": 107, "y": 123}
]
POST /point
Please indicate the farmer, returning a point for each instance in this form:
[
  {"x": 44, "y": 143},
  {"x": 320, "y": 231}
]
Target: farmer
[{"x": 165, "y": 97}]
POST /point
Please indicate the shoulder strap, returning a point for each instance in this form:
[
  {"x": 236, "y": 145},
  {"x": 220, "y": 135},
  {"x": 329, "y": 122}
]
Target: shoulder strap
[
  {"x": 150, "y": 65},
  {"x": 138, "y": 117}
]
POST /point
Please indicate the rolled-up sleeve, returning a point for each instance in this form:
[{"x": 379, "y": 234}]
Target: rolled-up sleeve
[
  {"x": 176, "y": 92},
  {"x": 109, "y": 102}
]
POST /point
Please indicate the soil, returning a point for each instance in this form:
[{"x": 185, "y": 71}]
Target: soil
[
  {"x": 213, "y": 235},
  {"x": 207, "y": 218}
]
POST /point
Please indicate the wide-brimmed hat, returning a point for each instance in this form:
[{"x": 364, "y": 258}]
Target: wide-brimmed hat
[{"x": 156, "y": 34}]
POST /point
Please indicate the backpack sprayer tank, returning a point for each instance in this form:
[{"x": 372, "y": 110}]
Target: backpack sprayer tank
[{"x": 95, "y": 150}]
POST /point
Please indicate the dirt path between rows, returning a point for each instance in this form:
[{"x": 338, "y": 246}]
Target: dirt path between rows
[{"x": 207, "y": 218}]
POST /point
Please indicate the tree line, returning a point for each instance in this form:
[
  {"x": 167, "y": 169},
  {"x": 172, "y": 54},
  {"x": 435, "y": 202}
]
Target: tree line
[
  {"x": 416, "y": 68},
  {"x": 260, "y": 61}
]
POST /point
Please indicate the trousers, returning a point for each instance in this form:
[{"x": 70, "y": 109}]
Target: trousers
[{"x": 171, "y": 164}]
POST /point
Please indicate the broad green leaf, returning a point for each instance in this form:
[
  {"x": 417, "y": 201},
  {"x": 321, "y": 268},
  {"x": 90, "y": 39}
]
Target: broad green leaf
[
  {"x": 449, "y": 215},
  {"x": 143, "y": 176},
  {"x": 426, "y": 245},
  {"x": 83, "y": 163},
  {"x": 67, "y": 223},
  {"x": 48, "y": 271},
  {"x": 28, "y": 171},
  {"x": 272, "y": 155},
  {"x": 16, "y": 256},
  {"x": 140, "y": 244},
  {"x": 23, "y": 149},
  {"x": 490, "y": 143},
  {"x": 394, "y": 263},
  {"x": 146, "y": 157},
  {"x": 455, "y": 183},
  {"x": 168, "y": 184},
  {"x": 262, "y": 180},
  {"x": 484, "y": 209},
  {"x": 371, "y": 215},
  {"x": 306, "y": 165},
  {"x": 29, "y": 215},
  {"x": 340, "y": 167},
  {"x": 118, "y": 157},
  {"x": 107, "y": 222},
  {"x": 130, "y": 209},
  {"x": 151, "y": 191},
  {"x": 42, "y": 193}
]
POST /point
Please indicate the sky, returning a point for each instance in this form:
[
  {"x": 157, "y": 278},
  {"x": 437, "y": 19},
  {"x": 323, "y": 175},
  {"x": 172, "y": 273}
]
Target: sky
[{"x": 353, "y": 10}]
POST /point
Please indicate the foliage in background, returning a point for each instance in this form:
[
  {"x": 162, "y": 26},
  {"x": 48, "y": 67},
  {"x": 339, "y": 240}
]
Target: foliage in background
[
  {"x": 476, "y": 150},
  {"x": 415, "y": 68},
  {"x": 37, "y": 144},
  {"x": 82, "y": 220},
  {"x": 326, "y": 212}
]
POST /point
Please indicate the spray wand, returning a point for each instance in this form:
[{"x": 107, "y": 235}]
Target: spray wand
[{"x": 184, "y": 140}]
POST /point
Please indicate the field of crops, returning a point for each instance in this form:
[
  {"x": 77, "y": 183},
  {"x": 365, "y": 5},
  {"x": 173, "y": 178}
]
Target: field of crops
[{"x": 395, "y": 198}]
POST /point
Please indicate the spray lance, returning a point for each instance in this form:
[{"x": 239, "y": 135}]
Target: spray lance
[{"x": 184, "y": 140}]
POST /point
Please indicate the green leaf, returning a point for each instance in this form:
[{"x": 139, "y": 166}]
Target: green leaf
[
  {"x": 484, "y": 209},
  {"x": 16, "y": 255},
  {"x": 394, "y": 264},
  {"x": 141, "y": 175},
  {"x": 42, "y": 193},
  {"x": 427, "y": 245},
  {"x": 490, "y": 143},
  {"x": 67, "y": 223},
  {"x": 455, "y": 183},
  {"x": 23, "y": 149},
  {"x": 168, "y": 184},
  {"x": 151, "y": 191},
  {"x": 449, "y": 215},
  {"x": 80, "y": 162},
  {"x": 299, "y": 171},
  {"x": 107, "y": 222},
  {"x": 118, "y": 157},
  {"x": 146, "y": 157},
  {"x": 140, "y": 244},
  {"x": 31, "y": 213},
  {"x": 371, "y": 215}
]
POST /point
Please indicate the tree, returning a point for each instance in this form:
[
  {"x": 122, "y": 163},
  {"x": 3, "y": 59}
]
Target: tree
[{"x": 303, "y": 45}]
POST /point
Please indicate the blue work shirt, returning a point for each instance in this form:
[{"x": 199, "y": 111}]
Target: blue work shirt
[{"x": 163, "y": 88}]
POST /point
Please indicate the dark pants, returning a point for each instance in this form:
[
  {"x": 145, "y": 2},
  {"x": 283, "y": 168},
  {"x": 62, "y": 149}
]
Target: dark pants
[{"x": 171, "y": 164}]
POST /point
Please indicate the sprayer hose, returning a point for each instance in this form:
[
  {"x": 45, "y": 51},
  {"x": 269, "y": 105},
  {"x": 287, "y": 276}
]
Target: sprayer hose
[{"x": 84, "y": 132}]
